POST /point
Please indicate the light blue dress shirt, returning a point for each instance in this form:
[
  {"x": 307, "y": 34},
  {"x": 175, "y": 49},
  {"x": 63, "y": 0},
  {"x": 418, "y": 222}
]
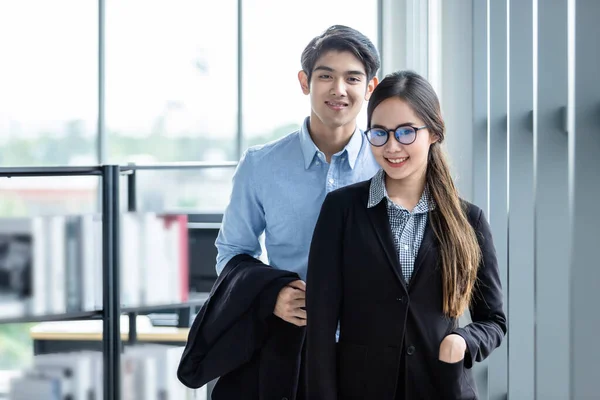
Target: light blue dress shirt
[{"x": 278, "y": 189}]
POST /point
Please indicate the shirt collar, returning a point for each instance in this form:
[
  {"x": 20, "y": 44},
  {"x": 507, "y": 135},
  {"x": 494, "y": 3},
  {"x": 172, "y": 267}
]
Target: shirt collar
[
  {"x": 378, "y": 192},
  {"x": 310, "y": 150},
  {"x": 353, "y": 147}
]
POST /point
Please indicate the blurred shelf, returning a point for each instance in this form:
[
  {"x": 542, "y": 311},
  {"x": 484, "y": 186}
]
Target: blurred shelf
[
  {"x": 52, "y": 317},
  {"x": 50, "y": 171},
  {"x": 205, "y": 217},
  {"x": 204, "y": 225}
]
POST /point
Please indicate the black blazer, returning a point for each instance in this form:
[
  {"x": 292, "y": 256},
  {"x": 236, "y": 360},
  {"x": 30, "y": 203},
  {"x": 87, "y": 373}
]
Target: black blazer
[
  {"x": 387, "y": 328},
  {"x": 236, "y": 337}
]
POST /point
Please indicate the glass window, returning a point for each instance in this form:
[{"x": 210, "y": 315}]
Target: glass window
[
  {"x": 171, "y": 80},
  {"x": 48, "y": 116},
  {"x": 185, "y": 190},
  {"x": 49, "y": 80},
  {"x": 48, "y": 102},
  {"x": 273, "y": 102}
]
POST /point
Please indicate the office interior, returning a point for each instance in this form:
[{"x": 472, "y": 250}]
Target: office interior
[{"x": 179, "y": 90}]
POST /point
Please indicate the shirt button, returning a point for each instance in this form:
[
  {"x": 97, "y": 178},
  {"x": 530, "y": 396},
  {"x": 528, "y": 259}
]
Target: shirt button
[
  {"x": 318, "y": 163},
  {"x": 331, "y": 181},
  {"x": 405, "y": 247},
  {"x": 411, "y": 350}
]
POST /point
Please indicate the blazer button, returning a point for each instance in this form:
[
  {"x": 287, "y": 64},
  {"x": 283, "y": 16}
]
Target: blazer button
[
  {"x": 410, "y": 350},
  {"x": 400, "y": 299}
]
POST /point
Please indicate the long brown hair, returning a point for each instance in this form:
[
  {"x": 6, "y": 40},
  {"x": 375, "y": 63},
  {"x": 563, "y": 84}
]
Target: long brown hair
[{"x": 459, "y": 248}]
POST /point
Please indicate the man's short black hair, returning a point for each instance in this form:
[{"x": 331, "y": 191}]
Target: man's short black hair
[{"x": 342, "y": 38}]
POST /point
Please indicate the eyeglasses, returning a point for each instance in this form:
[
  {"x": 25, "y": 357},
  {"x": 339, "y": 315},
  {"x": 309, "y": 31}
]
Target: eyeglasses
[{"x": 404, "y": 134}]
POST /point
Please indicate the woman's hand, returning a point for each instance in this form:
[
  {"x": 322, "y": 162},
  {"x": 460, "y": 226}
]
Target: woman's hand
[{"x": 452, "y": 349}]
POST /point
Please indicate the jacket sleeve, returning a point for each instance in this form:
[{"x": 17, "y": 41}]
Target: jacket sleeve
[
  {"x": 244, "y": 219},
  {"x": 232, "y": 324},
  {"x": 488, "y": 328},
  {"x": 323, "y": 301}
]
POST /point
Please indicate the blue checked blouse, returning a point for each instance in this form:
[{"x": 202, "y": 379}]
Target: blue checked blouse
[{"x": 408, "y": 228}]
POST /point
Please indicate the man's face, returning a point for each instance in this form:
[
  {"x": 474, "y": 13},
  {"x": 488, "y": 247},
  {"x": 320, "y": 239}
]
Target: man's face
[{"x": 338, "y": 88}]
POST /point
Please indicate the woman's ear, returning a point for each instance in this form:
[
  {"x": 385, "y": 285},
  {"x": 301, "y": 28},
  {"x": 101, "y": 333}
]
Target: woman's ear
[
  {"x": 430, "y": 151},
  {"x": 433, "y": 139}
]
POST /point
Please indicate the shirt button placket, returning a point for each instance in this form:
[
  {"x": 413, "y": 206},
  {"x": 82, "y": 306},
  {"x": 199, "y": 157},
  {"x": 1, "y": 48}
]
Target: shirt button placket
[{"x": 330, "y": 174}]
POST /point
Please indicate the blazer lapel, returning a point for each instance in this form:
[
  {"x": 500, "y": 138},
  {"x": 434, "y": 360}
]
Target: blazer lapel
[
  {"x": 427, "y": 244},
  {"x": 381, "y": 224}
]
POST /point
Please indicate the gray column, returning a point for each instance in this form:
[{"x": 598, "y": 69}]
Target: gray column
[
  {"x": 480, "y": 101},
  {"x": 417, "y": 20},
  {"x": 520, "y": 225},
  {"x": 584, "y": 189},
  {"x": 457, "y": 91},
  {"x": 497, "y": 151},
  {"x": 393, "y": 40},
  {"x": 479, "y": 121},
  {"x": 404, "y": 36},
  {"x": 551, "y": 201}
]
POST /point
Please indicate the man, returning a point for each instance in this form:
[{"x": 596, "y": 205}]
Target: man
[
  {"x": 279, "y": 187},
  {"x": 250, "y": 332}
]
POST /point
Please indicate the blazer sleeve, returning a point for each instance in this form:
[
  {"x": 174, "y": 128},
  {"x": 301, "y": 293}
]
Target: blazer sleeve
[
  {"x": 323, "y": 301},
  {"x": 488, "y": 328}
]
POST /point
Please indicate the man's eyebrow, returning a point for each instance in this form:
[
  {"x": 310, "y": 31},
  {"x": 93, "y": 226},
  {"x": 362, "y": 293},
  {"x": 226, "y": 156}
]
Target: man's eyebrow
[
  {"x": 323, "y": 68},
  {"x": 355, "y": 73},
  {"x": 329, "y": 69}
]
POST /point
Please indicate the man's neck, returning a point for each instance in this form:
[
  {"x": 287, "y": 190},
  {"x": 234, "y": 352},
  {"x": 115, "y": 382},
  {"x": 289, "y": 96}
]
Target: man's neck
[
  {"x": 330, "y": 140},
  {"x": 406, "y": 192}
]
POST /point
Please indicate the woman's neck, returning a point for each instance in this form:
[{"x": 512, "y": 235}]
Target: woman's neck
[{"x": 406, "y": 192}]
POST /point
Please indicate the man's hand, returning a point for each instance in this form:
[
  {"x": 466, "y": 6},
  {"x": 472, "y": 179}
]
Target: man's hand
[
  {"x": 291, "y": 303},
  {"x": 452, "y": 349}
]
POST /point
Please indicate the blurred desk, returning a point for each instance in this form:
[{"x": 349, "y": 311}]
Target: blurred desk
[
  {"x": 65, "y": 336},
  {"x": 178, "y": 337}
]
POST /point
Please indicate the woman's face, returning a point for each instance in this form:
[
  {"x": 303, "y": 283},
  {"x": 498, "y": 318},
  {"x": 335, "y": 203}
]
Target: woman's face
[{"x": 400, "y": 161}]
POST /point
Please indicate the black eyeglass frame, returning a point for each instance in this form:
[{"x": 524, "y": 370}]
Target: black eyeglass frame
[{"x": 393, "y": 131}]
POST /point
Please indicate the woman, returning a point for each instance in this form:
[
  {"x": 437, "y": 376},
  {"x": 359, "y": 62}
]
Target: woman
[{"x": 396, "y": 260}]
